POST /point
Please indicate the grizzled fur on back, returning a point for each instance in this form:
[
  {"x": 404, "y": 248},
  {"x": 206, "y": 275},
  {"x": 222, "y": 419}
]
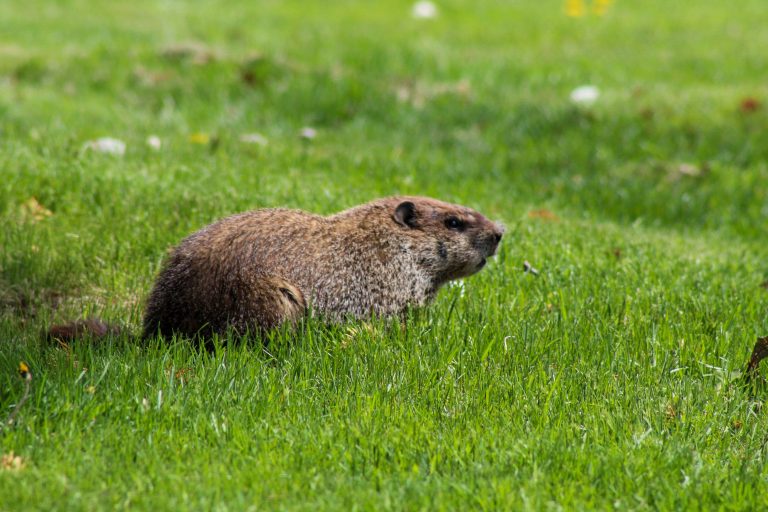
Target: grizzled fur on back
[{"x": 259, "y": 269}]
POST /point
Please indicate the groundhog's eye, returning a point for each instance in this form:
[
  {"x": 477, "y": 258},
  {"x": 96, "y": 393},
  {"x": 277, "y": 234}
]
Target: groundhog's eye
[{"x": 454, "y": 223}]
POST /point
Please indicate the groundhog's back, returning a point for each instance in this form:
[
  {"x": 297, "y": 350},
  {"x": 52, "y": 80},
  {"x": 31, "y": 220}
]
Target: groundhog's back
[{"x": 207, "y": 274}]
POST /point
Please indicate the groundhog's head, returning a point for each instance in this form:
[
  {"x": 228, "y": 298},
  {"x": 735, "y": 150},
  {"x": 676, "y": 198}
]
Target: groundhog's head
[{"x": 452, "y": 241}]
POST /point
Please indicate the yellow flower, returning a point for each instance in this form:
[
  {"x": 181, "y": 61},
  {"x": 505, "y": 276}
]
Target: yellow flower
[
  {"x": 199, "y": 138},
  {"x": 575, "y": 8},
  {"x": 578, "y": 8},
  {"x": 24, "y": 371},
  {"x": 600, "y": 7}
]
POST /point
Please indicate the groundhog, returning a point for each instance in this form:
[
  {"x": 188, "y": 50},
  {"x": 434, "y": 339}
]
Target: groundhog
[{"x": 254, "y": 271}]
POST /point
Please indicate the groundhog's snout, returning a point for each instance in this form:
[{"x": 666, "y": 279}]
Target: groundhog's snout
[
  {"x": 489, "y": 241},
  {"x": 497, "y": 231}
]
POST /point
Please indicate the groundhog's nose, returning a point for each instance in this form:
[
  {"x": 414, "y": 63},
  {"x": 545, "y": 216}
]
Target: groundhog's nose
[{"x": 498, "y": 231}]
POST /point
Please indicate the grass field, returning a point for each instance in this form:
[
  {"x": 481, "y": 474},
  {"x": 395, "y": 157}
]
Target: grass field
[{"x": 607, "y": 381}]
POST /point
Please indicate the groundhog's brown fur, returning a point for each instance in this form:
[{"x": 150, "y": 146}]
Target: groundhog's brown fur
[{"x": 256, "y": 270}]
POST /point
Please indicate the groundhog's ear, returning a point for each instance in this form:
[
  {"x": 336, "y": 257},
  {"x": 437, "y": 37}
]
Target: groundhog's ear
[{"x": 405, "y": 214}]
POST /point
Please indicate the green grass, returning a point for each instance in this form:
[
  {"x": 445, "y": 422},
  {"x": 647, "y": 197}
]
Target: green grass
[{"x": 605, "y": 382}]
